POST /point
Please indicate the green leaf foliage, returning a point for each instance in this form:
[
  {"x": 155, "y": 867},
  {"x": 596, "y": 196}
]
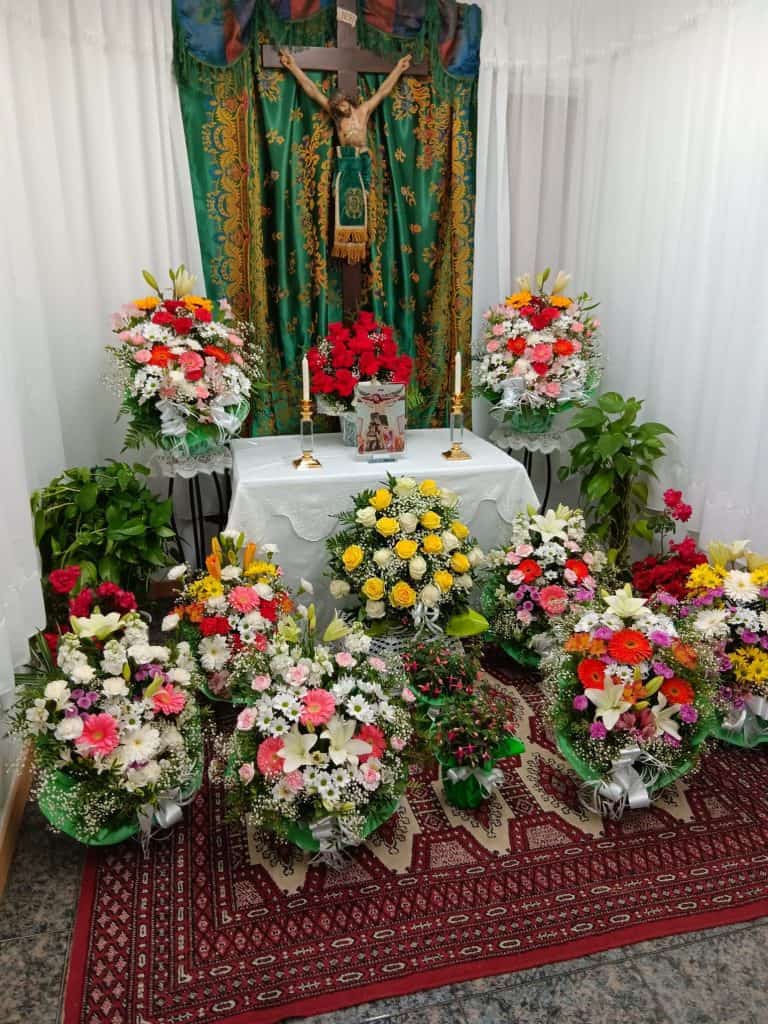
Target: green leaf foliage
[
  {"x": 613, "y": 459},
  {"x": 105, "y": 520}
]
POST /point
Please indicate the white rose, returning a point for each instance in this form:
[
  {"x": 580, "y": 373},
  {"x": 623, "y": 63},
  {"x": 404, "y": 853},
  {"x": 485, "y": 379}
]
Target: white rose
[
  {"x": 463, "y": 582},
  {"x": 476, "y": 557},
  {"x": 449, "y": 498},
  {"x": 179, "y": 675},
  {"x": 114, "y": 686},
  {"x": 140, "y": 653},
  {"x": 176, "y": 572},
  {"x": 265, "y": 592},
  {"x": 366, "y": 516},
  {"x": 231, "y": 572},
  {"x": 408, "y": 522},
  {"x": 255, "y": 620},
  {"x": 375, "y": 609},
  {"x": 57, "y": 691},
  {"x": 382, "y": 557},
  {"x": 417, "y": 567},
  {"x": 305, "y": 586},
  {"x": 69, "y": 728},
  {"x": 339, "y": 589},
  {"x": 404, "y": 485},
  {"x": 429, "y": 596},
  {"x": 170, "y": 622},
  {"x": 83, "y": 673},
  {"x": 450, "y": 541}
]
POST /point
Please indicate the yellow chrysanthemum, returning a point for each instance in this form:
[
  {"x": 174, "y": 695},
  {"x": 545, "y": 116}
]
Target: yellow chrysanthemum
[
  {"x": 750, "y": 665},
  {"x": 205, "y": 588},
  {"x": 459, "y": 563},
  {"x": 461, "y": 531},
  {"x": 402, "y": 596},
  {"x": 519, "y": 299},
  {"x": 406, "y": 549},
  {"x": 373, "y": 588},
  {"x": 387, "y": 526},
  {"x": 704, "y": 577},
  {"x": 560, "y": 301},
  {"x": 432, "y": 544},
  {"x": 148, "y": 302},
  {"x": 431, "y": 521},
  {"x": 443, "y": 580},
  {"x": 428, "y": 488},
  {"x": 197, "y": 302},
  {"x": 260, "y": 568},
  {"x": 352, "y": 557},
  {"x": 382, "y": 499},
  {"x": 760, "y": 576}
]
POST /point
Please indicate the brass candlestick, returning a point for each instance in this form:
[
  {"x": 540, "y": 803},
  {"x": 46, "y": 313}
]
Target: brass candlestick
[
  {"x": 456, "y": 452},
  {"x": 307, "y": 460}
]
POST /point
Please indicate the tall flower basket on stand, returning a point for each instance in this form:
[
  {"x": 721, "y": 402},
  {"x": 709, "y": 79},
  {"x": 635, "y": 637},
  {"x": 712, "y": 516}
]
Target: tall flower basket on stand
[
  {"x": 631, "y": 691},
  {"x": 182, "y": 371},
  {"x": 538, "y": 355}
]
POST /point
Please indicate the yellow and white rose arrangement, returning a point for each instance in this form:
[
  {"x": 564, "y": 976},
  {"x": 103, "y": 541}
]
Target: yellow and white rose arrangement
[{"x": 407, "y": 557}]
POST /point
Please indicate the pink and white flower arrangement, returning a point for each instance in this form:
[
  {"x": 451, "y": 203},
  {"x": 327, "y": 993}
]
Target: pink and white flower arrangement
[
  {"x": 322, "y": 746},
  {"x": 538, "y": 349},
  {"x": 115, "y": 716},
  {"x": 182, "y": 368},
  {"x": 547, "y": 567}
]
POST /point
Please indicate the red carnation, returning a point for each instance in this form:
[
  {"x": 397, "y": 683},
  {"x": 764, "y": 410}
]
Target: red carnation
[
  {"x": 531, "y": 570},
  {"x": 217, "y": 353},
  {"x": 316, "y": 359},
  {"x": 81, "y": 605},
  {"x": 563, "y": 347},
  {"x": 341, "y": 356},
  {"x": 203, "y": 315},
  {"x": 345, "y": 383},
  {"x": 672, "y": 498},
  {"x": 125, "y": 601},
  {"x": 214, "y": 625},
  {"x": 322, "y": 383},
  {"x": 182, "y": 324},
  {"x": 64, "y": 581},
  {"x": 516, "y": 346},
  {"x": 52, "y": 639},
  {"x": 541, "y": 368},
  {"x": 163, "y": 318},
  {"x": 401, "y": 372},
  {"x": 268, "y": 610},
  {"x": 173, "y": 304},
  {"x": 368, "y": 365}
]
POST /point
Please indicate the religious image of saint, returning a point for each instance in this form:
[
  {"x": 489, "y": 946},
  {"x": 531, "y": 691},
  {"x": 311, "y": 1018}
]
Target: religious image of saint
[{"x": 352, "y": 181}]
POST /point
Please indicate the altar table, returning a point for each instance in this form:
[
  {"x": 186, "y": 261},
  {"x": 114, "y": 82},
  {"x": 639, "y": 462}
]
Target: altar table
[{"x": 274, "y": 503}]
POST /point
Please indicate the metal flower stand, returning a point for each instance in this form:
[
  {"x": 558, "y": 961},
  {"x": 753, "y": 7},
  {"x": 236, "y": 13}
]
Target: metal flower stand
[
  {"x": 510, "y": 440},
  {"x": 215, "y": 466}
]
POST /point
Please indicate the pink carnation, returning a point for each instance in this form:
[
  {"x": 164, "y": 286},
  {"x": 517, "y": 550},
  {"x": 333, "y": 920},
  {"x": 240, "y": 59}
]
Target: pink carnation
[
  {"x": 345, "y": 659},
  {"x": 524, "y": 550},
  {"x": 377, "y": 663},
  {"x": 168, "y": 701},
  {"x": 235, "y": 339},
  {"x": 142, "y": 355},
  {"x": 99, "y": 735},
  {"x": 191, "y": 361},
  {"x": 246, "y": 772},
  {"x": 542, "y": 353},
  {"x": 552, "y": 388},
  {"x": 246, "y": 719},
  {"x": 319, "y": 706},
  {"x": 553, "y": 600},
  {"x": 295, "y": 781},
  {"x": 244, "y": 599},
  {"x": 498, "y": 330},
  {"x": 408, "y": 695},
  {"x": 260, "y": 683},
  {"x": 492, "y": 346},
  {"x": 396, "y": 743},
  {"x": 267, "y": 756}
]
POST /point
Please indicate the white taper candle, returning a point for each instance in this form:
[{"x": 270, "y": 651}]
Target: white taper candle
[
  {"x": 305, "y": 379},
  {"x": 457, "y": 382}
]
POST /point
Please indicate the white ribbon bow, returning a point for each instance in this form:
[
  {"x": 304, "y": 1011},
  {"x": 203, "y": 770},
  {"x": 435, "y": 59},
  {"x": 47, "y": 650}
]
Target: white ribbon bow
[
  {"x": 487, "y": 780},
  {"x": 334, "y": 838},
  {"x": 173, "y": 418},
  {"x": 747, "y": 719},
  {"x": 426, "y": 619},
  {"x": 165, "y": 811},
  {"x": 633, "y": 771}
]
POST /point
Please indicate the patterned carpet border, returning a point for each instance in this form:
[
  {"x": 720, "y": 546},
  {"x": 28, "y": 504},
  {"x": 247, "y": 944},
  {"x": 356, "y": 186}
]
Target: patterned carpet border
[{"x": 217, "y": 929}]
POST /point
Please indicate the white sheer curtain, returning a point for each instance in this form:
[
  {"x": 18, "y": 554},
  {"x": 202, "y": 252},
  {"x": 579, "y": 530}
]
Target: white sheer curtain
[
  {"x": 94, "y": 187},
  {"x": 628, "y": 144}
]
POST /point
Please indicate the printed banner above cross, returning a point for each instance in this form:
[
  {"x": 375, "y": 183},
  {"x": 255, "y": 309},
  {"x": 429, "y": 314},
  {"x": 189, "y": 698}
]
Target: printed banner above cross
[{"x": 348, "y": 60}]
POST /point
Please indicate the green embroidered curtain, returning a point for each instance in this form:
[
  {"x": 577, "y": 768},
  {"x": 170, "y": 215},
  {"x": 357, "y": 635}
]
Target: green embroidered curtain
[{"x": 261, "y": 160}]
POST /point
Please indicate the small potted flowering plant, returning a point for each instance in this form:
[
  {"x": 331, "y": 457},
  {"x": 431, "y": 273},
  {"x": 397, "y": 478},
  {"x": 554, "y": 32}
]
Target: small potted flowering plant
[
  {"x": 234, "y": 604},
  {"x": 317, "y": 755},
  {"x": 728, "y": 605},
  {"x": 408, "y": 560},
  {"x": 547, "y": 567},
  {"x": 469, "y": 739},
  {"x": 184, "y": 378},
  {"x": 439, "y": 672},
  {"x": 364, "y": 351},
  {"x": 114, "y": 728},
  {"x": 667, "y": 571},
  {"x": 538, "y": 353},
  {"x": 631, "y": 699}
]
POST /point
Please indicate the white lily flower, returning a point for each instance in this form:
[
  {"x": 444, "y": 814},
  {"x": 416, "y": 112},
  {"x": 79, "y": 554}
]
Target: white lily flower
[
  {"x": 96, "y": 625},
  {"x": 550, "y": 526},
  {"x": 609, "y": 703},
  {"x": 624, "y": 604},
  {"x": 296, "y": 749},
  {"x": 663, "y": 717},
  {"x": 343, "y": 747}
]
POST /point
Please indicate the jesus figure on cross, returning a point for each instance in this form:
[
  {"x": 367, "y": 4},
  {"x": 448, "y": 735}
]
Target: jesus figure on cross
[{"x": 352, "y": 181}]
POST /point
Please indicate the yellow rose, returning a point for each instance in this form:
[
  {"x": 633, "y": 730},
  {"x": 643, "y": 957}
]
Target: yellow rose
[
  {"x": 373, "y": 588},
  {"x": 431, "y": 521},
  {"x": 444, "y": 580},
  {"x": 461, "y": 531},
  {"x": 402, "y": 596},
  {"x": 432, "y": 544},
  {"x": 406, "y": 549},
  {"x": 382, "y": 499},
  {"x": 428, "y": 488},
  {"x": 460, "y": 563},
  {"x": 387, "y": 526},
  {"x": 352, "y": 557},
  {"x": 147, "y": 303}
]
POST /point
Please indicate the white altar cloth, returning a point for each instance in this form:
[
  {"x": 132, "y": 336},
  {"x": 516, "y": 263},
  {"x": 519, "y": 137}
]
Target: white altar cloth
[{"x": 274, "y": 503}]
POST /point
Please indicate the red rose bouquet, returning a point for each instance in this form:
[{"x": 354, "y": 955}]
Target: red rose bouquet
[
  {"x": 364, "y": 351},
  {"x": 62, "y": 602}
]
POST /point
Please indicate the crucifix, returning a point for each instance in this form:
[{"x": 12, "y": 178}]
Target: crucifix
[{"x": 352, "y": 179}]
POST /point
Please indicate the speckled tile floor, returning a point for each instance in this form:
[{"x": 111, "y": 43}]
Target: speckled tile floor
[{"x": 711, "y": 977}]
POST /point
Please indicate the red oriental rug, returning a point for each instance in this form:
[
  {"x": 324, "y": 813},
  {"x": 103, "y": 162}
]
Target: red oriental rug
[{"x": 219, "y": 927}]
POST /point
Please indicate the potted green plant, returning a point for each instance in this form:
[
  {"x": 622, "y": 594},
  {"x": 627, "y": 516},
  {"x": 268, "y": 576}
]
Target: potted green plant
[{"x": 613, "y": 459}]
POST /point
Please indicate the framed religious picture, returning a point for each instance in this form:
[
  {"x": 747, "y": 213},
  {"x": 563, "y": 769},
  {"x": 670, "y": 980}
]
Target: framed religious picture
[{"x": 380, "y": 412}]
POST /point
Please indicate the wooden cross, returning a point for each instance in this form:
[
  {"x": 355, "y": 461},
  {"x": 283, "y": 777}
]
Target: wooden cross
[{"x": 348, "y": 60}]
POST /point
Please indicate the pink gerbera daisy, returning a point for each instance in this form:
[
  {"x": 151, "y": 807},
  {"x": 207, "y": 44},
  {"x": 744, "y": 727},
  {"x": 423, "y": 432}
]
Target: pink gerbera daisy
[
  {"x": 319, "y": 706},
  {"x": 267, "y": 759},
  {"x": 168, "y": 701},
  {"x": 372, "y": 735},
  {"x": 99, "y": 735},
  {"x": 244, "y": 599},
  {"x": 553, "y": 599}
]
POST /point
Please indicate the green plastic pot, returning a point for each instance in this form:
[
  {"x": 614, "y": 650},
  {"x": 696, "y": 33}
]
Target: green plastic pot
[{"x": 468, "y": 794}]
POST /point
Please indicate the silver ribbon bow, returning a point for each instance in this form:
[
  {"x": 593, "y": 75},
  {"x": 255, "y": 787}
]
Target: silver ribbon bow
[
  {"x": 631, "y": 775},
  {"x": 334, "y": 838},
  {"x": 487, "y": 780},
  {"x": 747, "y": 719},
  {"x": 162, "y": 814},
  {"x": 173, "y": 418},
  {"x": 426, "y": 619}
]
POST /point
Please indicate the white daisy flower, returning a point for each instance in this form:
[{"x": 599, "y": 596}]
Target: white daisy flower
[
  {"x": 739, "y": 587},
  {"x": 214, "y": 653}
]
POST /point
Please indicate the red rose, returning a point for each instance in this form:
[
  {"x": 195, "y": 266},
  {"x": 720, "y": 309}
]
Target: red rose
[
  {"x": 531, "y": 570},
  {"x": 193, "y": 375},
  {"x": 162, "y": 318},
  {"x": 64, "y": 581},
  {"x": 217, "y": 353},
  {"x": 82, "y": 604},
  {"x": 161, "y": 356},
  {"x": 182, "y": 324},
  {"x": 577, "y": 567},
  {"x": 107, "y": 589},
  {"x": 672, "y": 498},
  {"x": 516, "y": 346},
  {"x": 214, "y": 625},
  {"x": 203, "y": 315},
  {"x": 681, "y": 512}
]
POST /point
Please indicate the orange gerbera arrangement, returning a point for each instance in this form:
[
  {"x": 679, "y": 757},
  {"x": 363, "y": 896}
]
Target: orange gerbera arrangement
[{"x": 629, "y": 646}]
